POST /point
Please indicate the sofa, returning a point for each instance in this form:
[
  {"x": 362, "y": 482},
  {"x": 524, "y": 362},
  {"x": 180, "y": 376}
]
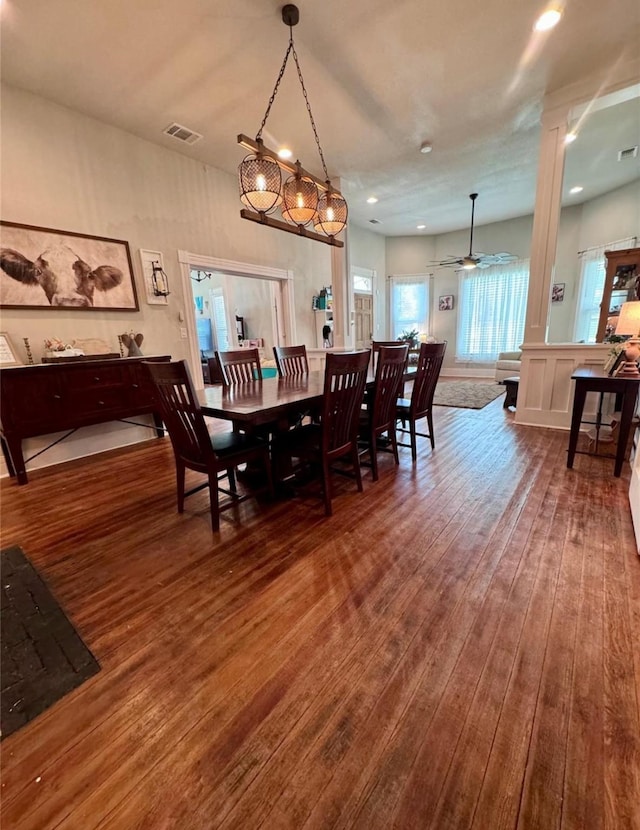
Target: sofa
[{"x": 507, "y": 365}]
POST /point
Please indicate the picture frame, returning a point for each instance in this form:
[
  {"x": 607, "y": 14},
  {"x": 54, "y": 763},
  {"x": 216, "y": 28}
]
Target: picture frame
[
  {"x": 557, "y": 292},
  {"x": 44, "y": 268},
  {"x": 445, "y": 302},
  {"x": 8, "y": 356},
  {"x": 615, "y": 366}
]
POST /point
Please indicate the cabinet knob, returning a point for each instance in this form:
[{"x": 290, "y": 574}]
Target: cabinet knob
[
  {"x": 100, "y": 403},
  {"x": 57, "y": 397},
  {"x": 134, "y": 386},
  {"x": 97, "y": 379}
]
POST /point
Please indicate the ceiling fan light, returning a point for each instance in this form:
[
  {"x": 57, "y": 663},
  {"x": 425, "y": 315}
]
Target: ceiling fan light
[
  {"x": 299, "y": 200},
  {"x": 260, "y": 182},
  {"x": 468, "y": 263},
  {"x": 332, "y": 213}
]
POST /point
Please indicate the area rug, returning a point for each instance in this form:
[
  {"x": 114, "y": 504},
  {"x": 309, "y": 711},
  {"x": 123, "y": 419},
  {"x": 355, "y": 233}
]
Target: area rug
[
  {"x": 466, "y": 394},
  {"x": 42, "y": 656}
]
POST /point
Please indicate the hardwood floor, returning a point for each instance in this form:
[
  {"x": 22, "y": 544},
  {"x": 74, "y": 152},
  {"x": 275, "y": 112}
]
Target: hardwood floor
[{"x": 458, "y": 647}]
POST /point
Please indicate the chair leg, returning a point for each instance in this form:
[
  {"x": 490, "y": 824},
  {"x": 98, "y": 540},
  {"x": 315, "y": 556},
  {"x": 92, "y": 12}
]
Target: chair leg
[
  {"x": 356, "y": 465},
  {"x": 326, "y": 487},
  {"x": 414, "y": 446},
  {"x": 231, "y": 473},
  {"x": 394, "y": 442},
  {"x": 430, "y": 422},
  {"x": 373, "y": 452},
  {"x": 180, "y": 472},
  {"x": 214, "y": 505}
]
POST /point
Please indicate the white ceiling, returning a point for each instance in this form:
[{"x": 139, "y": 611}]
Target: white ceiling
[{"x": 382, "y": 77}]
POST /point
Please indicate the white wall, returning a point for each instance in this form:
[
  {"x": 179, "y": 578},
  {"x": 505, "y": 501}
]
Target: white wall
[
  {"x": 368, "y": 250},
  {"x": 63, "y": 170}
]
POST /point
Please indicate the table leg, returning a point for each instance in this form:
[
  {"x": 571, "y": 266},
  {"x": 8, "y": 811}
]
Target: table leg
[
  {"x": 576, "y": 419},
  {"x": 12, "y": 447},
  {"x": 626, "y": 419}
]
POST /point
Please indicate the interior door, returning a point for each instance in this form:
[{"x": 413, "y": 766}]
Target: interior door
[{"x": 363, "y": 319}]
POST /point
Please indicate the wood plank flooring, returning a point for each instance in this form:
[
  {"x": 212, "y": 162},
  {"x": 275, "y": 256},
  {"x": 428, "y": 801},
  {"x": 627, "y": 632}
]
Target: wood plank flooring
[{"x": 458, "y": 647}]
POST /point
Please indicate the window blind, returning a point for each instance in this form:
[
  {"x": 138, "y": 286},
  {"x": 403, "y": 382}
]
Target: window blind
[
  {"x": 409, "y": 304},
  {"x": 492, "y": 309}
]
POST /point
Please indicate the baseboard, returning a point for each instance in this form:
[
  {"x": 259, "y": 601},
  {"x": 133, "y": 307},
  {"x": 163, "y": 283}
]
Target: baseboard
[{"x": 466, "y": 373}]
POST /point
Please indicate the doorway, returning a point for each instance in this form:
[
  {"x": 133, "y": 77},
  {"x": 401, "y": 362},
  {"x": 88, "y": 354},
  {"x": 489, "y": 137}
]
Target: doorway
[
  {"x": 217, "y": 292},
  {"x": 363, "y": 313}
]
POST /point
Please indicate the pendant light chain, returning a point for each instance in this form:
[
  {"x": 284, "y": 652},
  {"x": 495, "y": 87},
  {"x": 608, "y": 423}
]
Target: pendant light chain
[
  {"x": 275, "y": 89},
  {"x": 292, "y": 49}
]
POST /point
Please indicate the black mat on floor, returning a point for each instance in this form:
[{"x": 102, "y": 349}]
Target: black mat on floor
[{"x": 42, "y": 658}]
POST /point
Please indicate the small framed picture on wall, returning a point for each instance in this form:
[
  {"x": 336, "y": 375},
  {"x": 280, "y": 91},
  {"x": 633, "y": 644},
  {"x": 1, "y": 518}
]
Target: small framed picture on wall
[
  {"x": 445, "y": 303},
  {"x": 557, "y": 292}
]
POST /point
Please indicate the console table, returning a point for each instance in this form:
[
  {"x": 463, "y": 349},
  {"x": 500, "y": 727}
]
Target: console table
[
  {"x": 46, "y": 398},
  {"x": 594, "y": 379}
]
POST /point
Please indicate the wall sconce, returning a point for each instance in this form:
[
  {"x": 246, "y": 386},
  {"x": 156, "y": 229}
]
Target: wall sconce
[
  {"x": 302, "y": 198},
  {"x": 159, "y": 280}
]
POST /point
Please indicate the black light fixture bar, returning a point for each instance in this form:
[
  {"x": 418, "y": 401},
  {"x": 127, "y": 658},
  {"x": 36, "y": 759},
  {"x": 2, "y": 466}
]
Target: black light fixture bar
[{"x": 298, "y": 230}]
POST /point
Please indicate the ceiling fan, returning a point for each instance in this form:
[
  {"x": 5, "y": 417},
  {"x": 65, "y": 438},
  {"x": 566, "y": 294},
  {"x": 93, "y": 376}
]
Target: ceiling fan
[{"x": 475, "y": 260}]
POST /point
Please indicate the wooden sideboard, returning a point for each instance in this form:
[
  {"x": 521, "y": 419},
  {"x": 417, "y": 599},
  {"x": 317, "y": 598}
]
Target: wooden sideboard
[{"x": 47, "y": 398}]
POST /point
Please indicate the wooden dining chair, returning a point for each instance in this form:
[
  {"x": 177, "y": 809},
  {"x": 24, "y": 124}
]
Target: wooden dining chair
[
  {"x": 380, "y": 415},
  {"x": 239, "y": 366},
  {"x": 291, "y": 360},
  {"x": 420, "y": 404},
  {"x": 376, "y": 345},
  {"x": 336, "y": 435},
  {"x": 194, "y": 448}
]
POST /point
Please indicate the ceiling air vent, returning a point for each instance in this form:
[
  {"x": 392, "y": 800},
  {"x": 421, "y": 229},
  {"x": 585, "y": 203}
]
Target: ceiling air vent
[
  {"x": 375, "y": 222},
  {"x": 183, "y": 134},
  {"x": 629, "y": 153}
]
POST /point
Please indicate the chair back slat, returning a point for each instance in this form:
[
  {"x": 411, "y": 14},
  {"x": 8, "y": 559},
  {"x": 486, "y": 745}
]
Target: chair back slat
[
  {"x": 376, "y": 345},
  {"x": 239, "y": 366},
  {"x": 291, "y": 360},
  {"x": 425, "y": 379},
  {"x": 180, "y": 411},
  {"x": 390, "y": 370},
  {"x": 344, "y": 382}
]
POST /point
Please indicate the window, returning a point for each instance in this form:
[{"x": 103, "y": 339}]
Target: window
[
  {"x": 409, "y": 304},
  {"x": 592, "y": 274},
  {"x": 492, "y": 309},
  {"x": 220, "y": 320}
]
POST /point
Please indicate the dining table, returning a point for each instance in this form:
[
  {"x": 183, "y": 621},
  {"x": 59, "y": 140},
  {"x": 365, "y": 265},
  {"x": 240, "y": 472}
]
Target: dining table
[{"x": 270, "y": 401}]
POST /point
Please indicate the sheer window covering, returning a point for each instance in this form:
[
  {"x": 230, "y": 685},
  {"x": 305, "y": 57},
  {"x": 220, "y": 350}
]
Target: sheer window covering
[
  {"x": 492, "y": 309},
  {"x": 409, "y": 304},
  {"x": 592, "y": 274}
]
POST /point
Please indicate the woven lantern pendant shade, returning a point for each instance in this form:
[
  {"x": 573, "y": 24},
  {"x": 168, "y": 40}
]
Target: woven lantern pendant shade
[
  {"x": 332, "y": 213},
  {"x": 260, "y": 182},
  {"x": 299, "y": 200}
]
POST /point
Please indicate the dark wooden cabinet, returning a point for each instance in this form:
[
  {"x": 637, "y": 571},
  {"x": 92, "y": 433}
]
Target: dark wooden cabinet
[
  {"x": 38, "y": 400},
  {"x": 620, "y": 286}
]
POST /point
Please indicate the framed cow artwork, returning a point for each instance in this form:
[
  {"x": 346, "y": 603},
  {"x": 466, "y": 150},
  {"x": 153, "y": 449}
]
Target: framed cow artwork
[{"x": 45, "y": 268}]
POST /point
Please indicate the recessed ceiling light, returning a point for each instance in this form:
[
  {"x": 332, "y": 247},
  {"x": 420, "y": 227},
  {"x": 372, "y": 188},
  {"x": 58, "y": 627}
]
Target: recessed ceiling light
[
  {"x": 372, "y": 200},
  {"x": 576, "y": 189},
  {"x": 570, "y": 138},
  {"x": 426, "y": 147},
  {"x": 284, "y": 153},
  {"x": 421, "y": 227},
  {"x": 547, "y": 20}
]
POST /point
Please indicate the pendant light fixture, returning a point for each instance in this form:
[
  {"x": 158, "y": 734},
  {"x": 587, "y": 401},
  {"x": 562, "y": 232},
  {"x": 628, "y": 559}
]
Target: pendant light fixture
[{"x": 302, "y": 198}]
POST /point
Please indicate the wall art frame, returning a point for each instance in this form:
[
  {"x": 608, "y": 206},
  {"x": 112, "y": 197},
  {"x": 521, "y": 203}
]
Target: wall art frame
[
  {"x": 8, "y": 354},
  {"x": 445, "y": 302},
  {"x": 44, "y": 268},
  {"x": 557, "y": 292}
]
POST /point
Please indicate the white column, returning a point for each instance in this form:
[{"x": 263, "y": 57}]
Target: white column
[{"x": 546, "y": 219}]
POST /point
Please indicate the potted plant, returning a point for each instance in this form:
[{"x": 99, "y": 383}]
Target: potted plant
[{"x": 410, "y": 336}]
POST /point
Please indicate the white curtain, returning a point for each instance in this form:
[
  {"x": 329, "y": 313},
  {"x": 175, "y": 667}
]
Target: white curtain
[
  {"x": 409, "y": 304},
  {"x": 592, "y": 274},
  {"x": 491, "y": 311}
]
